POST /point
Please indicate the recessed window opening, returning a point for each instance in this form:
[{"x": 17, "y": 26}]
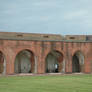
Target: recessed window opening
[
  {"x": 46, "y": 36},
  {"x": 72, "y": 37},
  {"x": 19, "y": 35}
]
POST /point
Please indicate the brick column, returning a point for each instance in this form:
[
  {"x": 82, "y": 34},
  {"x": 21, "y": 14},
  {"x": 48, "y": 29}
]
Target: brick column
[
  {"x": 68, "y": 64},
  {"x": 10, "y": 65},
  {"x": 39, "y": 58},
  {"x": 10, "y": 56},
  {"x": 87, "y": 66}
]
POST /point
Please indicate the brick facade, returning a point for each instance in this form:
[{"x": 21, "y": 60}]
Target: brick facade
[{"x": 40, "y": 49}]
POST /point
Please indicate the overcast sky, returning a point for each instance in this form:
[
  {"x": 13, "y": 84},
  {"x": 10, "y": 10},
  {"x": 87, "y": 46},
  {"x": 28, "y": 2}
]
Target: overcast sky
[{"x": 46, "y": 16}]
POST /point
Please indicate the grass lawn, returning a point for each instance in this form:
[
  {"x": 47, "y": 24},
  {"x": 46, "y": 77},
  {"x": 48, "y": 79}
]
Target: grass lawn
[{"x": 63, "y": 83}]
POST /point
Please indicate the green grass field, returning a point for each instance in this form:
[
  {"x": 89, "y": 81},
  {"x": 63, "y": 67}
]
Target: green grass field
[{"x": 63, "y": 83}]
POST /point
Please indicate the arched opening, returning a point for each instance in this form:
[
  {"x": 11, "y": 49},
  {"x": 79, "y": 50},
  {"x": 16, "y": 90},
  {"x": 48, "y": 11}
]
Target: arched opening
[
  {"x": 2, "y": 64},
  {"x": 54, "y": 62},
  {"x": 77, "y": 62},
  {"x": 24, "y": 62}
]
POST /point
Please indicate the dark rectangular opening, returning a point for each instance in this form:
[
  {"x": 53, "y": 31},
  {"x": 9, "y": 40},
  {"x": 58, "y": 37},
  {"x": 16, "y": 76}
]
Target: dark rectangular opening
[
  {"x": 19, "y": 35},
  {"x": 46, "y": 36},
  {"x": 72, "y": 37}
]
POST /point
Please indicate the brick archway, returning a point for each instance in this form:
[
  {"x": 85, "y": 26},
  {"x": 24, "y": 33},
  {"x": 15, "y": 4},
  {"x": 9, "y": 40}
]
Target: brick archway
[
  {"x": 24, "y": 62},
  {"x": 54, "y": 62},
  {"x": 78, "y": 62}
]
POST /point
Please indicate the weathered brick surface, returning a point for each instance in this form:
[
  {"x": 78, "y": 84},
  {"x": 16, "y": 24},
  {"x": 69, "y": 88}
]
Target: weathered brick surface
[{"x": 40, "y": 49}]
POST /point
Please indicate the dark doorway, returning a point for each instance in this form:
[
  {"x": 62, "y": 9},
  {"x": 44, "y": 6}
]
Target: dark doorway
[
  {"x": 78, "y": 62},
  {"x": 75, "y": 64}
]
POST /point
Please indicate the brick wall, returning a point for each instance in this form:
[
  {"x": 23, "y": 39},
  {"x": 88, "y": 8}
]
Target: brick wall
[{"x": 40, "y": 49}]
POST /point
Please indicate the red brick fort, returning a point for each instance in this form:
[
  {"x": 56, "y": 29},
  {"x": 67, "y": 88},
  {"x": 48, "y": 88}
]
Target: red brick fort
[{"x": 44, "y": 53}]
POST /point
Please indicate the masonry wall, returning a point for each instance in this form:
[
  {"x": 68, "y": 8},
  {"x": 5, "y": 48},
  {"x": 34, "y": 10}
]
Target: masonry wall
[{"x": 40, "y": 49}]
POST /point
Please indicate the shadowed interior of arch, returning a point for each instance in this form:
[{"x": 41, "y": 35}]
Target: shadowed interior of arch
[
  {"x": 24, "y": 62},
  {"x": 54, "y": 62},
  {"x": 77, "y": 62},
  {"x": 2, "y": 63}
]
